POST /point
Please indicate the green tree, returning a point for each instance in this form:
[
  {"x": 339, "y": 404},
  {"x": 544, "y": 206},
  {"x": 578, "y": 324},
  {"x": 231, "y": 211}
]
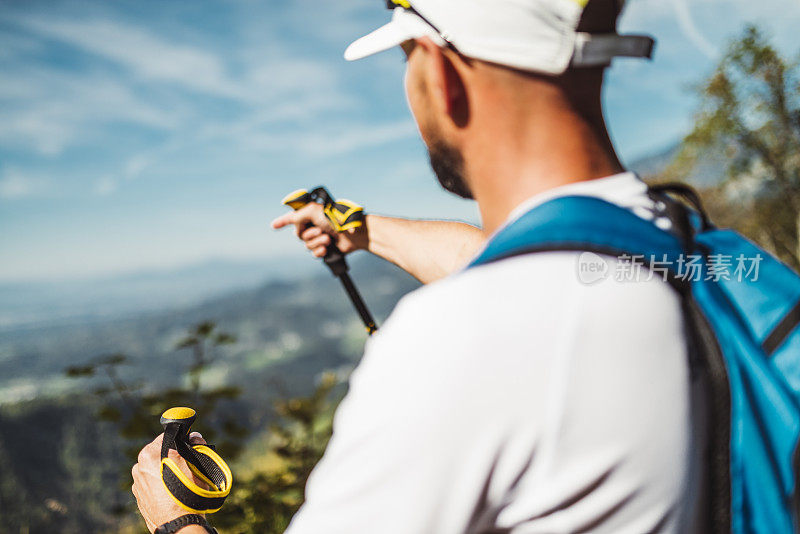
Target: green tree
[
  {"x": 58, "y": 466},
  {"x": 134, "y": 410},
  {"x": 18, "y": 512},
  {"x": 262, "y": 501},
  {"x": 84, "y": 503},
  {"x": 265, "y": 501},
  {"x": 202, "y": 340},
  {"x": 750, "y": 112}
]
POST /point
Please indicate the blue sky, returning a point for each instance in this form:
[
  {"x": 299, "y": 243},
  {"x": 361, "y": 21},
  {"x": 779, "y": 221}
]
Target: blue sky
[{"x": 142, "y": 134}]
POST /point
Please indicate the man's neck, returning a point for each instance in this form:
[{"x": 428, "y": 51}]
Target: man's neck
[{"x": 519, "y": 155}]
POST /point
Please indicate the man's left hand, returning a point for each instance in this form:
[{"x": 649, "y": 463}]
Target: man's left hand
[{"x": 156, "y": 504}]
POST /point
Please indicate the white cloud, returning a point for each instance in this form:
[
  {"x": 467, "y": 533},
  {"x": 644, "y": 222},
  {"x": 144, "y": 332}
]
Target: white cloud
[
  {"x": 16, "y": 45},
  {"x": 47, "y": 110},
  {"x": 356, "y": 137},
  {"x": 691, "y": 31},
  {"x": 105, "y": 186},
  {"x": 324, "y": 141},
  {"x": 15, "y": 185},
  {"x": 152, "y": 58},
  {"x": 264, "y": 129},
  {"x": 708, "y": 24},
  {"x": 144, "y": 53},
  {"x": 32, "y": 128}
]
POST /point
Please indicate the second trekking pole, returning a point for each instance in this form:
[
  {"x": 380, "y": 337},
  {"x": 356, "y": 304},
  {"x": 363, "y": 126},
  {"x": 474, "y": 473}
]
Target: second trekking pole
[{"x": 343, "y": 215}]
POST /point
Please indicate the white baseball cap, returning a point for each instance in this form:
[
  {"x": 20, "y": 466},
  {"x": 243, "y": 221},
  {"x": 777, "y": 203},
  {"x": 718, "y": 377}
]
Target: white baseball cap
[{"x": 533, "y": 35}]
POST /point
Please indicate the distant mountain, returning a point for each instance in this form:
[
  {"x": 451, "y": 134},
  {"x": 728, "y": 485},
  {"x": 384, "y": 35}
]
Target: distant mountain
[
  {"x": 289, "y": 329},
  {"x": 78, "y": 301},
  {"x": 64, "y": 470},
  {"x": 655, "y": 163},
  {"x": 74, "y": 302},
  {"x": 708, "y": 172}
]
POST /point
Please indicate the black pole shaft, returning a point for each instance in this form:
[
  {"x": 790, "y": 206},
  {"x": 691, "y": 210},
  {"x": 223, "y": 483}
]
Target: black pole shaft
[
  {"x": 336, "y": 262},
  {"x": 358, "y": 302}
]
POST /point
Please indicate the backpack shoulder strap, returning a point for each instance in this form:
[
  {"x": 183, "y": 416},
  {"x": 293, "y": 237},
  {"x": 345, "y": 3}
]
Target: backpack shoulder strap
[{"x": 579, "y": 223}]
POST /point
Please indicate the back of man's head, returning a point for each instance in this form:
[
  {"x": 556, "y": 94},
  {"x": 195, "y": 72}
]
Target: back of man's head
[
  {"x": 568, "y": 41},
  {"x": 496, "y": 84},
  {"x": 582, "y": 84}
]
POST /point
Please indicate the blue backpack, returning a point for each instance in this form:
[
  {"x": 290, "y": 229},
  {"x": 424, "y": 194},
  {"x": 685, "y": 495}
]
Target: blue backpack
[{"x": 743, "y": 333}]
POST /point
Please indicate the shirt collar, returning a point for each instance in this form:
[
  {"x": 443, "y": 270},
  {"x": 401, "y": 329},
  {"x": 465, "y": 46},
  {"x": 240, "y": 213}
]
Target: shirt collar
[
  {"x": 616, "y": 188},
  {"x": 622, "y": 188}
]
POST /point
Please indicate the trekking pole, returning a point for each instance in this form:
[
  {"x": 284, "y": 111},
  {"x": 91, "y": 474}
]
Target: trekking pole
[
  {"x": 203, "y": 460},
  {"x": 343, "y": 215}
]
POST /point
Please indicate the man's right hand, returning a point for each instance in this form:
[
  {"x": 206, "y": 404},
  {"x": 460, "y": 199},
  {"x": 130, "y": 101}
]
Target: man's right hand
[
  {"x": 428, "y": 250},
  {"x": 315, "y": 230}
]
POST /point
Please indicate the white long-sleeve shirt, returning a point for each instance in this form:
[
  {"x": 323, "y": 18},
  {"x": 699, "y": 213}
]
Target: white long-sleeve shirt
[{"x": 514, "y": 398}]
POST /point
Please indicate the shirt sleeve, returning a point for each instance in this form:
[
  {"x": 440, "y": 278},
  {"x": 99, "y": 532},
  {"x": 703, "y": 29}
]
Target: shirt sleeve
[{"x": 412, "y": 446}]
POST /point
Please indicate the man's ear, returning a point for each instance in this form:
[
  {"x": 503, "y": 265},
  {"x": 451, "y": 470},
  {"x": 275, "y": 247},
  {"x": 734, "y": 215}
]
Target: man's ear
[{"x": 446, "y": 82}]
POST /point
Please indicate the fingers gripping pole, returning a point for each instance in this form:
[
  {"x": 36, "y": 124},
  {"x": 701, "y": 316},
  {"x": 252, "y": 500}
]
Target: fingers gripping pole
[
  {"x": 343, "y": 215},
  {"x": 203, "y": 461}
]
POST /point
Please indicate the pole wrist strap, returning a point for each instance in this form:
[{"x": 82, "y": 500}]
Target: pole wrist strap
[
  {"x": 203, "y": 461},
  {"x": 342, "y": 214}
]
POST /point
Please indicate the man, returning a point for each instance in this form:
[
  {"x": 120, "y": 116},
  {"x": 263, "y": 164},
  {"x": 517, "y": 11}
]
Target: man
[{"x": 509, "y": 397}]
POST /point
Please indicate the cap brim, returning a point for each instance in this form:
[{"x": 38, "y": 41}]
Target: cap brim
[{"x": 403, "y": 26}]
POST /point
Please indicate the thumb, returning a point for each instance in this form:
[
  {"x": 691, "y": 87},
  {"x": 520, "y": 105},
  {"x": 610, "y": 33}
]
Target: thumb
[{"x": 196, "y": 438}]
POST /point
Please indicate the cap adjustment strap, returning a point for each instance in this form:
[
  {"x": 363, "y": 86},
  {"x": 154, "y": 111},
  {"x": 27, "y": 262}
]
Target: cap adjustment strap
[{"x": 596, "y": 50}]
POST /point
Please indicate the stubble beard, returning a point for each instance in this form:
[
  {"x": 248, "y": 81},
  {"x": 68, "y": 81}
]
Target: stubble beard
[{"x": 447, "y": 163}]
